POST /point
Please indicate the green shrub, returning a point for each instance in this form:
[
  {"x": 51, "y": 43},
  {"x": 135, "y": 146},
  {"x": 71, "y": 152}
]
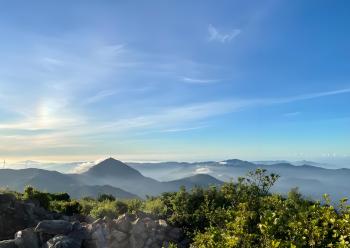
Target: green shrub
[
  {"x": 111, "y": 209},
  {"x": 60, "y": 197},
  {"x": 105, "y": 197},
  {"x": 155, "y": 206},
  {"x": 87, "y": 204},
  {"x": 66, "y": 207},
  {"x": 134, "y": 205},
  {"x": 33, "y": 194}
]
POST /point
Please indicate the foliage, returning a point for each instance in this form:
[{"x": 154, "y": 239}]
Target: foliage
[
  {"x": 111, "y": 209},
  {"x": 66, "y": 207},
  {"x": 33, "y": 194},
  {"x": 105, "y": 197},
  {"x": 135, "y": 205},
  {"x": 155, "y": 206},
  {"x": 275, "y": 221}
]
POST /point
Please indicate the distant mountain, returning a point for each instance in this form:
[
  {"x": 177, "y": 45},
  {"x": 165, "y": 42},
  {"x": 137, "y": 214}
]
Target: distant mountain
[
  {"x": 201, "y": 180},
  {"x": 238, "y": 162},
  {"x": 312, "y": 178},
  {"x": 53, "y": 181},
  {"x": 117, "y": 174},
  {"x": 112, "y": 168}
]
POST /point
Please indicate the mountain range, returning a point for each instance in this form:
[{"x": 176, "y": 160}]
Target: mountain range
[
  {"x": 109, "y": 176},
  {"x": 132, "y": 180}
]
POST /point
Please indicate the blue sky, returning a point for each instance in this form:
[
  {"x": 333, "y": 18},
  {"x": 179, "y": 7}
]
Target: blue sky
[{"x": 175, "y": 80}]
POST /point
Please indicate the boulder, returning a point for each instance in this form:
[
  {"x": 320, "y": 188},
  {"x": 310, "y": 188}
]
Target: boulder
[
  {"x": 62, "y": 241},
  {"x": 15, "y": 215},
  {"x": 7, "y": 200},
  {"x": 54, "y": 227},
  {"x": 78, "y": 232},
  {"x": 123, "y": 223},
  {"x": 27, "y": 238},
  {"x": 175, "y": 233},
  {"x": 136, "y": 242},
  {"x": 8, "y": 244},
  {"x": 162, "y": 223},
  {"x": 99, "y": 238},
  {"x": 119, "y": 236}
]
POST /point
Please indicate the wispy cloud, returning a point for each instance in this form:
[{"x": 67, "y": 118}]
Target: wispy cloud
[
  {"x": 100, "y": 96},
  {"x": 202, "y": 170},
  {"x": 199, "y": 80},
  {"x": 291, "y": 114},
  {"x": 85, "y": 166},
  {"x": 183, "y": 129},
  {"x": 216, "y": 35}
]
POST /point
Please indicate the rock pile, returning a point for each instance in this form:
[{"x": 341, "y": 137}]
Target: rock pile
[
  {"x": 134, "y": 231},
  {"x": 17, "y": 215}
]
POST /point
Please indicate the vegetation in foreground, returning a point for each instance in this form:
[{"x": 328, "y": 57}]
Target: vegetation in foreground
[{"x": 242, "y": 214}]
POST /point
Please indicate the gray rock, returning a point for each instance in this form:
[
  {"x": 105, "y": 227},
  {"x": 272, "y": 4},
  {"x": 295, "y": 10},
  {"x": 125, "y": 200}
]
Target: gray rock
[
  {"x": 8, "y": 244},
  {"x": 118, "y": 235},
  {"x": 6, "y": 200},
  {"x": 162, "y": 223},
  {"x": 78, "y": 232},
  {"x": 15, "y": 215},
  {"x": 27, "y": 238},
  {"x": 54, "y": 227},
  {"x": 175, "y": 233},
  {"x": 123, "y": 244},
  {"x": 139, "y": 229},
  {"x": 62, "y": 241},
  {"x": 99, "y": 238},
  {"x": 123, "y": 223},
  {"x": 136, "y": 241}
]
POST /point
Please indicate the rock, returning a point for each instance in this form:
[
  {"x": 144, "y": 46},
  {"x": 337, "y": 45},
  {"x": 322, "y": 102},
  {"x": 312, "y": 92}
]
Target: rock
[
  {"x": 16, "y": 215},
  {"x": 97, "y": 222},
  {"x": 62, "y": 241},
  {"x": 118, "y": 235},
  {"x": 136, "y": 242},
  {"x": 175, "y": 233},
  {"x": 27, "y": 238},
  {"x": 139, "y": 234},
  {"x": 8, "y": 244},
  {"x": 162, "y": 223},
  {"x": 123, "y": 223},
  {"x": 127, "y": 231},
  {"x": 98, "y": 237},
  {"x": 7, "y": 200},
  {"x": 44, "y": 237},
  {"x": 78, "y": 231},
  {"x": 54, "y": 227}
]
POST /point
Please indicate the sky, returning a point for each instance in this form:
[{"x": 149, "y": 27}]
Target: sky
[{"x": 175, "y": 80}]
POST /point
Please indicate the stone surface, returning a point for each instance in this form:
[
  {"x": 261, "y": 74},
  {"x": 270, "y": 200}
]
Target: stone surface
[
  {"x": 119, "y": 236},
  {"x": 123, "y": 223},
  {"x": 62, "y": 241},
  {"x": 128, "y": 231},
  {"x": 17, "y": 215},
  {"x": 8, "y": 244},
  {"x": 27, "y": 238},
  {"x": 54, "y": 227}
]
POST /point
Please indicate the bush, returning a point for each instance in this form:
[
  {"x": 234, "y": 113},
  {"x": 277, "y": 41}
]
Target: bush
[
  {"x": 33, "y": 194},
  {"x": 66, "y": 207},
  {"x": 134, "y": 205},
  {"x": 111, "y": 209},
  {"x": 87, "y": 204},
  {"x": 105, "y": 197},
  {"x": 60, "y": 197},
  {"x": 155, "y": 206}
]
